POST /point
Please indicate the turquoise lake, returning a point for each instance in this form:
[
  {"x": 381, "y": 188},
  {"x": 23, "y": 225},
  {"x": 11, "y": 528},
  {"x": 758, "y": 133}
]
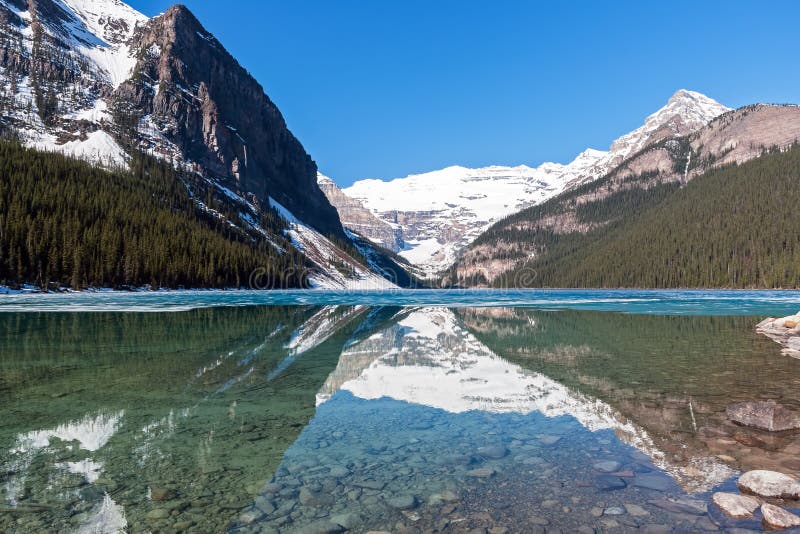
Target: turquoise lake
[{"x": 408, "y": 411}]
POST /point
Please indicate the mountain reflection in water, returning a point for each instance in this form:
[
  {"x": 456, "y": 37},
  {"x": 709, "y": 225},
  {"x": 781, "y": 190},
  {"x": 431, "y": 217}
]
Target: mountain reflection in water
[{"x": 288, "y": 418}]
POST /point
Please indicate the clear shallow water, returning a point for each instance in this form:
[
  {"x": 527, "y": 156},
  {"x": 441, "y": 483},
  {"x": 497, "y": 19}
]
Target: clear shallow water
[
  {"x": 306, "y": 418},
  {"x": 680, "y": 302}
]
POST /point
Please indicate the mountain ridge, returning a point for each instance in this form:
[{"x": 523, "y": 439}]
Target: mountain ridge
[
  {"x": 441, "y": 212},
  {"x": 101, "y": 82},
  {"x": 584, "y": 215}
]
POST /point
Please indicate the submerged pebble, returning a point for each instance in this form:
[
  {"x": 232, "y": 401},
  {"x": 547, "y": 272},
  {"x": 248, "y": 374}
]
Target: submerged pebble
[{"x": 609, "y": 483}]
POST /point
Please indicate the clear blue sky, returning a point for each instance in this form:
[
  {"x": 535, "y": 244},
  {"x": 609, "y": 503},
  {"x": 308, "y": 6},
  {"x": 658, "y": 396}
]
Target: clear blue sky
[{"x": 387, "y": 88}]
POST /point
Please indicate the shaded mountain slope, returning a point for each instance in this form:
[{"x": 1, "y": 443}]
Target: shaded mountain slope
[
  {"x": 581, "y": 216},
  {"x": 735, "y": 226},
  {"x": 64, "y": 222}
]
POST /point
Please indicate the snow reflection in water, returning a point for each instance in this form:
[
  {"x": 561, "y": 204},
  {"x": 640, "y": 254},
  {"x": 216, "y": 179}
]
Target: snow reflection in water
[{"x": 424, "y": 416}]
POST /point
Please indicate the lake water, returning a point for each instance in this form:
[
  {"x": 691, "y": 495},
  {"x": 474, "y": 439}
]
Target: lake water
[{"x": 571, "y": 411}]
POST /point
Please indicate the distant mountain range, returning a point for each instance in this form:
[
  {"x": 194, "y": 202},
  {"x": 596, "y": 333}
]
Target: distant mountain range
[
  {"x": 439, "y": 213},
  {"x": 576, "y": 224}
]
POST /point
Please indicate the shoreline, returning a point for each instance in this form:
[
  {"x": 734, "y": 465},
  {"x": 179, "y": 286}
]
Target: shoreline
[
  {"x": 29, "y": 289},
  {"x": 785, "y": 331},
  {"x": 757, "y": 304}
]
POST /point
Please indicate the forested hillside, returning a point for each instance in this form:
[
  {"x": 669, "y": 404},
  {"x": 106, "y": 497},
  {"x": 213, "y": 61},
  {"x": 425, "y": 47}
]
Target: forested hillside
[
  {"x": 64, "y": 222},
  {"x": 736, "y": 226}
]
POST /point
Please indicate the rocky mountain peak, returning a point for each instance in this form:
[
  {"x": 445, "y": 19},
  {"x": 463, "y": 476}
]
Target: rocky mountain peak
[
  {"x": 191, "y": 97},
  {"x": 179, "y": 18},
  {"x": 686, "y": 97},
  {"x": 684, "y": 113},
  {"x": 95, "y": 78},
  {"x": 695, "y": 109}
]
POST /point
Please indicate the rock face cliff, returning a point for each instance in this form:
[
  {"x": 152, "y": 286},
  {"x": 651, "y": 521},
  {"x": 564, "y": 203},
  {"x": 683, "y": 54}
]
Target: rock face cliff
[
  {"x": 191, "y": 91},
  {"x": 96, "y": 78},
  {"x": 359, "y": 219}
]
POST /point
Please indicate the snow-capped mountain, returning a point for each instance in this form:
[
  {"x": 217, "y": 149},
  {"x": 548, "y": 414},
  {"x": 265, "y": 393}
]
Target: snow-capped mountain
[
  {"x": 441, "y": 212},
  {"x": 97, "y": 80},
  {"x": 686, "y": 110},
  {"x": 61, "y": 60}
]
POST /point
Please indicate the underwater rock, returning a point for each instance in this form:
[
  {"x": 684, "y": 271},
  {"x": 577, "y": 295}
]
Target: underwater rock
[
  {"x": 402, "y": 502},
  {"x": 347, "y": 520},
  {"x": 776, "y": 518},
  {"x": 251, "y": 516},
  {"x": 734, "y": 505},
  {"x": 161, "y": 494},
  {"x": 549, "y": 440},
  {"x": 652, "y": 481},
  {"x": 369, "y": 484},
  {"x": 493, "y": 452},
  {"x": 607, "y": 466},
  {"x": 766, "y": 415},
  {"x": 444, "y": 496},
  {"x": 681, "y": 506},
  {"x": 609, "y": 483},
  {"x": 322, "y": 526},
  {"x": 158, "y": 513},
  {"x": 338, "y": 471},
  {"x": 313, "y": 498},
  {"x": 265, "y": 505},
  {"x": 635, "y": 510},
  {"x": 481, "y": 472},
  {"x": 769, "y": 484}
]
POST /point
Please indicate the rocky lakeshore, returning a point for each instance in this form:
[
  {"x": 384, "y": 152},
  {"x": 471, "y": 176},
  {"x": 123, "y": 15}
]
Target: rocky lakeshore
[
  {"x": 785, "y": 331},
  {"x": 401, "y": 468},
  {"x": 767, "y": 492}
]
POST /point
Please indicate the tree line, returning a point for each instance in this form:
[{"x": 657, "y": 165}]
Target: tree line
[
  {"x": 66, "y": 223},
  {"x": 735, "y": 226}
]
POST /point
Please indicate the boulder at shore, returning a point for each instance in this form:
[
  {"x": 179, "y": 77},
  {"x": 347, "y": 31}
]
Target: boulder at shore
[
  {"x": 769, "y": 484},
  {"x": 766, "y": 415},
  {"x": 785, "y": 331},
  {"x": 734, "y": 505},
  {"x": 776, "y": 518}
]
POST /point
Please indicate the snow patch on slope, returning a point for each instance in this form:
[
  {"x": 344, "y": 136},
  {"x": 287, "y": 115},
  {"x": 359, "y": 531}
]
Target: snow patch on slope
[
  {"x": 328, "y": 258},
  {"x": 101, "y": 32},
  {"x": 98, "y": 147}
]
